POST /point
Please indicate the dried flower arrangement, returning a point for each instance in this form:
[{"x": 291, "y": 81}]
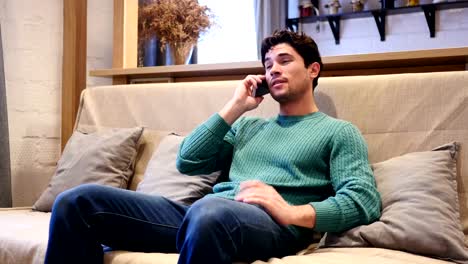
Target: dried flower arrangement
[{"x": 178, "y": 23}]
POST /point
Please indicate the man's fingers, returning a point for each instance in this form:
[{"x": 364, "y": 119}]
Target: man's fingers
[
  {"x": 253, "y": 80},
  {"x": 251, "y": 183}
]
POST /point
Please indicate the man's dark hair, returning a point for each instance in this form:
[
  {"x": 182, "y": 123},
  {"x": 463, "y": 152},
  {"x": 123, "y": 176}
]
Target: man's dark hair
[{"x": 303, "y": 44}]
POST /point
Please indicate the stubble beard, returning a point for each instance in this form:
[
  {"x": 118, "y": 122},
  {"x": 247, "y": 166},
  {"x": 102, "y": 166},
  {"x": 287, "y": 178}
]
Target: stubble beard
[
  {"x": 283, "y": 98},
  {"x": 289, "y": 96}
]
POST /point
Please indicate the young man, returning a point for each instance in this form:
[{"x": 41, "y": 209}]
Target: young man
[{"x": 289, "y": 176}]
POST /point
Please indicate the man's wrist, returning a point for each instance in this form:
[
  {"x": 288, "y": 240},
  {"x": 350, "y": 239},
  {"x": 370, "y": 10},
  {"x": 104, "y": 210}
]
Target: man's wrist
[
  {"x": 304, "y": 215},
  {"x": 231, "y": 112}
]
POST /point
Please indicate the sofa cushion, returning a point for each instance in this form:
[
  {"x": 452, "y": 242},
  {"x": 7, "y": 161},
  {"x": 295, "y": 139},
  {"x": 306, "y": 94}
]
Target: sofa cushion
[
  {"x": 420, "y": 207},
  {"x": 23, "y": 236},
  {"x": 103, "y": 157},
  {"x": 162, "y": 177},
  {"x": 353, "y": 256},
  {"x": 149, "y": 142},
  {"x": 321, "y": 256}
]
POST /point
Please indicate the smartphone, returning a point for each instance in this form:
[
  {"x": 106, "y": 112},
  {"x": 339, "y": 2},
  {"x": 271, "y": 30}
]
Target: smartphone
[{"x": 261, "y": 90}]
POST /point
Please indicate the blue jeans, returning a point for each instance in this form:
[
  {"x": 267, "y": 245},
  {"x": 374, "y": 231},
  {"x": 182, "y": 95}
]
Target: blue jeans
[{"x": 212, "y": 230}]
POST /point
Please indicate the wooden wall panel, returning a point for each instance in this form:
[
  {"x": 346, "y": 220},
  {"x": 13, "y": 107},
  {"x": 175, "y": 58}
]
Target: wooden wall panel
[
  {"x": 74, "y": 63},
  {"x": 125, "y": 52}
]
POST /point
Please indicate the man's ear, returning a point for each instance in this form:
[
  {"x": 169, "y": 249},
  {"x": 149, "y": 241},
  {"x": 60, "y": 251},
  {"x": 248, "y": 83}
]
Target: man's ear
[{"x": 314, "y": 70}]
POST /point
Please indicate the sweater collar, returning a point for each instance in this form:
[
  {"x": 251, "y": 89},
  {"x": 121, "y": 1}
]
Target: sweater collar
[{"x": 286, "y": 118}]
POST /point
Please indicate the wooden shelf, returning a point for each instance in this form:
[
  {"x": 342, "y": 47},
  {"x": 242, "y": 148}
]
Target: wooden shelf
[
  {"x": 364, "y": 64},
  {"x": 191, "y": 70}
]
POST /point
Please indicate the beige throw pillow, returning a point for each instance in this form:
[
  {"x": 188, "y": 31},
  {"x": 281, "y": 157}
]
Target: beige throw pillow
[
  {"x": 162, "y": 177},
  {"x": 105, "y": 158},
  {"x": 420, "y": 210}
]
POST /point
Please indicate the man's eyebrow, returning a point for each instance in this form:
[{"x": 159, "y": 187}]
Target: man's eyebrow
[{"x": 283, "y": 54}]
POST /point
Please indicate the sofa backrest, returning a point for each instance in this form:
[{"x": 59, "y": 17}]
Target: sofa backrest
[{"x": 397, "y": 114}]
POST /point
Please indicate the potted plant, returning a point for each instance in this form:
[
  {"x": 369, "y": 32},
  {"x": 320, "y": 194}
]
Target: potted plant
[{"x": 176, "y": 23}]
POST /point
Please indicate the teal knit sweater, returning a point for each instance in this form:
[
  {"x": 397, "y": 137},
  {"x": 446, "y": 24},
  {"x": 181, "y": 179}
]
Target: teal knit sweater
[{"x": 312, "y": 159}]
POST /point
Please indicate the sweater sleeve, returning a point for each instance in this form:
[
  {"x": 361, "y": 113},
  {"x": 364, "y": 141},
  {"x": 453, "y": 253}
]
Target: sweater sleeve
[
  {"x": 207, "y": 149},
  {"x": 356, "y": 201}
]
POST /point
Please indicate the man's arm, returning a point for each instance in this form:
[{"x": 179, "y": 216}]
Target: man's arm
[
  {"x": 356, "y": 200},
  {"x": 242, "y": 101},
  {"x": 207, "y": 148}
]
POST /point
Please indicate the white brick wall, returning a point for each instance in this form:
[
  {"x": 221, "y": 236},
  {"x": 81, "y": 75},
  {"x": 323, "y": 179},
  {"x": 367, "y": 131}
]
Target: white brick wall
[{"x": 32, "y": 40}]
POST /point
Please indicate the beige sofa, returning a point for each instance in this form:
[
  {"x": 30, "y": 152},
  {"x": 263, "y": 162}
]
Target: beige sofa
[{"x": 397, "y": 114}]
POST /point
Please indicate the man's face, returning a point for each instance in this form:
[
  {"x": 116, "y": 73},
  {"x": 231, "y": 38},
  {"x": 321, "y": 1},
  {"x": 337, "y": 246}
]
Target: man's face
[{"x": 286, "y": 74}]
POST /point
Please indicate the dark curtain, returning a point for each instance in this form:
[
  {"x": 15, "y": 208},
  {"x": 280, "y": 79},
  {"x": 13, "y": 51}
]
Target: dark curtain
[
  {"x": 270, "y": 15},
  {"x": 5, "y": 173}
]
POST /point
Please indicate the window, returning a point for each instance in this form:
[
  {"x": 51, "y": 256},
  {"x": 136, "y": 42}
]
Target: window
[{"x": 233, "y": 37}]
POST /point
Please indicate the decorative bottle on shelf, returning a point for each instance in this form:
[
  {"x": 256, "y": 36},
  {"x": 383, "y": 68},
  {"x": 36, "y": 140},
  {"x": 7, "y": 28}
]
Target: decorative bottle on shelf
[
  {"x": 412, "y": 3},
  {"x": 357, "y": 5},
  {"x": 333, "y": 7},
  {"x": 307, "y": 8}
]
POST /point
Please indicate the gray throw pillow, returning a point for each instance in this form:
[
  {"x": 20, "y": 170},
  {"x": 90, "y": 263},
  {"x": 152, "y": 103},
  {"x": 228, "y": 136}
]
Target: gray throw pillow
[
  {"x": 420, "y": 210},
  {"x": 162, "y": 177},
  {"x": 105, "y": 157}
]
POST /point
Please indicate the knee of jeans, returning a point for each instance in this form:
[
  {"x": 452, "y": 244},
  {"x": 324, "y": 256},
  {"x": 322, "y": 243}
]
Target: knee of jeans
[
  {"x": 208, "y": 212},
  {"x": 68, "y": 199}
]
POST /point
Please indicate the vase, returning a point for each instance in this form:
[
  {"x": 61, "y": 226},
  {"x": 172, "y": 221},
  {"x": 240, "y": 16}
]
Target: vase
[
  {"x": 150, "y": 50},
  {"x": 180, "y": 53}
]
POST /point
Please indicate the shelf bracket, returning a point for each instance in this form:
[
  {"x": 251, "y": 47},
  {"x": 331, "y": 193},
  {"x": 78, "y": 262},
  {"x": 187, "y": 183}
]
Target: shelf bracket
[
  {"x": 334, "y": 22},
  {"x": 379, "y": 17},
  {"x": 293, "y": 24},
  {"x": 429, "y": 13}
]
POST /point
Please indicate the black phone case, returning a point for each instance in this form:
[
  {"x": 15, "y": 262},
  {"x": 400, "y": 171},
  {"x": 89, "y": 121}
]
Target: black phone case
[{"x": 262, "y": 89}]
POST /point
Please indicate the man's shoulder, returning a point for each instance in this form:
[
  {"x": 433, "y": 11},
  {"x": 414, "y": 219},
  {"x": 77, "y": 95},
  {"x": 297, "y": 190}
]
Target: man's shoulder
[
  {"x": 341, "y": 128},
  {"x": 340, "y": 123}
]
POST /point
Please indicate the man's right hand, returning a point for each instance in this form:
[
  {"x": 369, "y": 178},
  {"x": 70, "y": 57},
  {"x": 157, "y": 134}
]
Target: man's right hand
[{"x": 242, "y": 101}]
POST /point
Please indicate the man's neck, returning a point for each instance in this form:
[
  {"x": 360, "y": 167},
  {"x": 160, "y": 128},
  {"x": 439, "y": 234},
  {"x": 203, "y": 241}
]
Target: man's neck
[
  {"x": 299, "y": 108},
  {"x": 294, "y": 111}
]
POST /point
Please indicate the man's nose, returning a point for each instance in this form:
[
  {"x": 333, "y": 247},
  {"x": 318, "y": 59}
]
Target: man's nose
[{"x": 275, "y": 69}]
